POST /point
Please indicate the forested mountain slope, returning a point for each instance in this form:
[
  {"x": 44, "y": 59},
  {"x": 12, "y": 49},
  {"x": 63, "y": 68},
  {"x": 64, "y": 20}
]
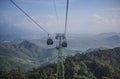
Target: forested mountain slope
[
  {"x": 27, "y": 55},
  {"x": 98, "y": 64}
]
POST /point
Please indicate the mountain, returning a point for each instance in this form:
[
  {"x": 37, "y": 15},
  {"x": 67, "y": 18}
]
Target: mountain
[
  {"x": 113, "y": 40},
  {"x": 80, "y": 42},
  {"x": 20, "y": 53},
  {"x": 104, "y": 40},
  {"x": 101, "y": 64},
  {"x": 97, "y": 64},
  {"x": 27, "y": 55},
  {"x": 21, "y": 56}
]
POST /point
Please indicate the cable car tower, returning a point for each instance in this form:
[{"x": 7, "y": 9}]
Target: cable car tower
[
  {"x": 60, "y": 62},
  {"x": 62, "y": 42}
]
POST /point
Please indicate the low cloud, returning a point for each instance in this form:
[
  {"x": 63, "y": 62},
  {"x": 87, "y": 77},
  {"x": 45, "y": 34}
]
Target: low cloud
[{"x": 114, "y": 9}]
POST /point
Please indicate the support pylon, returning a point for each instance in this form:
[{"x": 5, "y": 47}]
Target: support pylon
[{"x": 60, "y": 63}]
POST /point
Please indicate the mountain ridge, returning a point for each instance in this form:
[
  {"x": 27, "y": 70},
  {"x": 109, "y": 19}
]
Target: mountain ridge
[{"x": 27, "y": 53}]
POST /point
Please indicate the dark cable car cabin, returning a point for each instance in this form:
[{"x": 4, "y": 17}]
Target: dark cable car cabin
[
  {"x": 49, "y": 41},
  {"x": 64, "y": 44}
]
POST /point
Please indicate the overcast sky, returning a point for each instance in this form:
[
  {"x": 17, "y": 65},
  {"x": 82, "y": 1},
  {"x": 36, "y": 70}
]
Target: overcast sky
[{"x": 85, "y": 16}]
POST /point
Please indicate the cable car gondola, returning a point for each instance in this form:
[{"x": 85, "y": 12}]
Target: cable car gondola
[
  {"x": 64, "y": 44},
  {"x": 49, "y": 41}
]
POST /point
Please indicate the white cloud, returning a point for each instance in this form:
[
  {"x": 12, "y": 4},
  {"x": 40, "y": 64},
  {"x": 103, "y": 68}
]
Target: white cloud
[
  {"x": 107, "y": 20},
  {"x": 99, "y": 18},
  {"x": 114, "y": 9}
]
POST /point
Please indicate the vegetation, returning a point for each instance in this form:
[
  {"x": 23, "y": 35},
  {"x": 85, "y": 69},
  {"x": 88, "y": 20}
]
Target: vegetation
[
  {"x": 98, "y": 64},
  {"x": 26, "y": 55},
  {"x": 22, "y": 56}
]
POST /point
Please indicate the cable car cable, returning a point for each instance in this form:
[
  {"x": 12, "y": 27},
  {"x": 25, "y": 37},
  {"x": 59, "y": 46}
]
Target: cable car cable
[
  {"x": 66, "y": 17},
  {"x": 29, "y": 16}
]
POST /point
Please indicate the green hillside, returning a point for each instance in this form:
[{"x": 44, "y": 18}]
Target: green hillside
[
  {"x": 41, "y": 63},
  {"x": 26, "y": 55},
  {"x": 98, "y": 64},
  {"x": 23, "y": 56}
]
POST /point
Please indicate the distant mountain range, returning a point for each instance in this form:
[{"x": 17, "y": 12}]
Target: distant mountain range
[
  {"x": 24, "y": 55},
  {"x": 81, "y": 42},
  {"x": 104, "y": 40}
]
